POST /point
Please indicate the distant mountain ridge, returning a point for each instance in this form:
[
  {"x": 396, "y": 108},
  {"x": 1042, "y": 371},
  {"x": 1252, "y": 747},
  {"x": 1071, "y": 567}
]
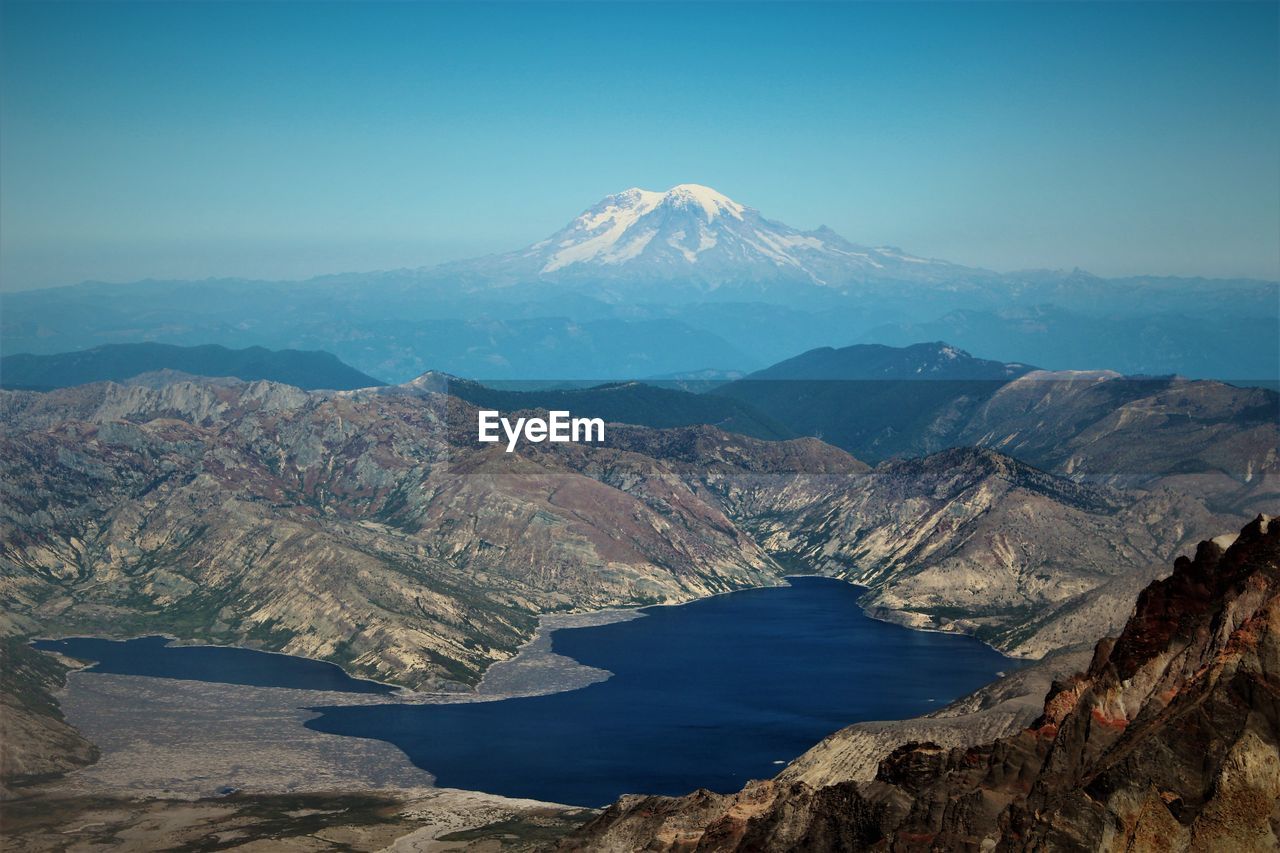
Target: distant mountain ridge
[
  {"x": 310, "y": 370},
  {"x": 651, "y": 283},
  {"x": 1064, "y": 337},
  {"x": 877, "y": 402},
  {"x": 923, "y": 361}
]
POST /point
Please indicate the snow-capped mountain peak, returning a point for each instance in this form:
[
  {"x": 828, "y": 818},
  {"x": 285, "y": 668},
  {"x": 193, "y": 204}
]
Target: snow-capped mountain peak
[
  {"x": 622, "y": 225},
  {"x": 713, "y": 203},
  {"x": 693, "y": 233},
  {"x": 636, "y": 202}
]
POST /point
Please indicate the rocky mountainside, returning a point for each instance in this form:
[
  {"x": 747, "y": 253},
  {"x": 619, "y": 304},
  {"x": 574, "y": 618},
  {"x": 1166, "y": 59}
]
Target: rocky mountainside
[
  {"x": 1169, "y": 740},
  {"x": 363, "y": 528},
  {"x": 956, "y": 541},
  {"x": 180, "y": 507},
  {"x": 368, "y": 528},
  {"x": 971, "y": 540},
  {"x": 1207, "y": 438},
  {"x": 1201, "y": 437},
  {"x": 1001, "y": 708}
]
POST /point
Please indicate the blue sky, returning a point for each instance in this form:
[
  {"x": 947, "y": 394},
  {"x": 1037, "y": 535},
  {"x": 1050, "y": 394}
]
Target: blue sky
[{"x": 292, "y": 138}]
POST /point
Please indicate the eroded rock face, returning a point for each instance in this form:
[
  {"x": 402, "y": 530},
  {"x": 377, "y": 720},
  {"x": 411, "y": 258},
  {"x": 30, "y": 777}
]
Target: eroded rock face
[
  {"x": 1169, "y": 740},
  {"x": 370, "y": 529},
  {"x": 366, "y": 528},
  {"x": 974, "y": 541},
  {"x": 1202, "y": 437}
]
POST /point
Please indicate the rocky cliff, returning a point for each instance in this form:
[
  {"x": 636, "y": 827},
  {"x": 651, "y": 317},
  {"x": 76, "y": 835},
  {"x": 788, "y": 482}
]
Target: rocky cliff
[{"x": 1168, "y": 740}]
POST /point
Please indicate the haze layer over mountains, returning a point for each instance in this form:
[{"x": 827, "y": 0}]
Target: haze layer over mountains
[{"x": 648, "y": 283}]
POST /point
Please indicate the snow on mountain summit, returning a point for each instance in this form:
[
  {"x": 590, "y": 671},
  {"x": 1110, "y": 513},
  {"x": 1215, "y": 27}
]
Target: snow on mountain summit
[
  {"x": 711, "y": 202},
  {"x": 695, "y": 234},
  {"x": 622, "y": 225}
]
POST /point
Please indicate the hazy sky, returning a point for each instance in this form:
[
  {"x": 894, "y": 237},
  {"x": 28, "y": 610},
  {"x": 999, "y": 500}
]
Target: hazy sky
[{"x": 290, "y": 139}]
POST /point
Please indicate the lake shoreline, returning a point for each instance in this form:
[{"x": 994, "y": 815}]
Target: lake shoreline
[
  {"x": 534, "y": 659},
  {"x": 275, "y": 714},
  {"x": 730, "y": 676}
]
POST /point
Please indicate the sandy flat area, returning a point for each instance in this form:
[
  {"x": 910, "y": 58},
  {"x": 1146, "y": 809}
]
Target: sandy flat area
[
  {"x": 164, "y": 737},
  {"x": 186, "y": 762}
]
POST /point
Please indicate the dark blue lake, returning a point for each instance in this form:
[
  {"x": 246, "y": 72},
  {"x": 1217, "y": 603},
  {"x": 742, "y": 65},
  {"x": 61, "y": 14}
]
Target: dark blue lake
[
  {"x": 708, "y": 694},
  {"x": 154, "y": 656}
]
